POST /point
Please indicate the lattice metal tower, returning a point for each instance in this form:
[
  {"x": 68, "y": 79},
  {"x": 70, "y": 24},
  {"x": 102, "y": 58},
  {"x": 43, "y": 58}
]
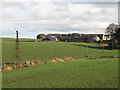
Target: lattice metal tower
[{"x": 17, "y": 57}]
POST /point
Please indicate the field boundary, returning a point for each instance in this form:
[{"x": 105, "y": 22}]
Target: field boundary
[{"x": 11, "y": 66}]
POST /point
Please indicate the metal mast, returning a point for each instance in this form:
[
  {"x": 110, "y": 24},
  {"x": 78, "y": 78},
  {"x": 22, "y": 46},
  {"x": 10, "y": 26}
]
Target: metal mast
[{"x": 17, "y": 58}]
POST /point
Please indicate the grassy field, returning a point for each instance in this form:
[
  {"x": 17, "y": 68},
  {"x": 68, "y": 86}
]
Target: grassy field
[
  {"x": 77, "y": 74},
  {"x": 101, "y": 73},
  {"x": 49, "y": 50},
  {"x": 13, "y": 39}
]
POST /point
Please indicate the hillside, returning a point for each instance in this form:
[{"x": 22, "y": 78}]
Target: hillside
[
  {"x": 77, "y": 74},
  {"x": 50, "y": 50}
]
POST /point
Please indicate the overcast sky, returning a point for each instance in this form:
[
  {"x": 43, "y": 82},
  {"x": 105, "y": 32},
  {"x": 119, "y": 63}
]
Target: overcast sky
[{"x": 32, "y": 17}]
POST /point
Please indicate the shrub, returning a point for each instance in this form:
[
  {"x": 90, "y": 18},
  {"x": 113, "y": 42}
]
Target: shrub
[
  {"x": 32, "y": 63},
  {"x": 27, "y": 63},
  {"x": 69, "y": 59},
  {"x": 14, "y": 66},
  {"x": 7, "y": 68},
  {"x": 59, "y": 60},
  {"x": 39, "y": 62}
]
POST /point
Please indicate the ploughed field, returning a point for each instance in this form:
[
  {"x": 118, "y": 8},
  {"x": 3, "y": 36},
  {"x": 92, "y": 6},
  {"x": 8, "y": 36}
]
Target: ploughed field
[
  {"x": 33, "y": 51},
  {"x": 101, "y": 73}
]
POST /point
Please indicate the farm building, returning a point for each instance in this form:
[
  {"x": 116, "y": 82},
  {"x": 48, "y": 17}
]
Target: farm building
[
  {"x": 51, "y": 38},
  {"x": 74, "y": 37},
  {"x": 106, "y": 37},
  {"x": 84, "y": 38}
]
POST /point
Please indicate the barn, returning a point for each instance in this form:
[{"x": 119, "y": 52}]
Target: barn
[{"x": 52, "y": 38}]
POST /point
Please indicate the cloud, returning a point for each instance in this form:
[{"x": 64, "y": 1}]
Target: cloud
[
  {"x": 54, "y": 17},
  {"x": 61, "y": 1}
]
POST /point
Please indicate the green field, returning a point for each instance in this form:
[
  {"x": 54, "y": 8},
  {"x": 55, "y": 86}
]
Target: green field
[
  {"x": 77, "y": 74},
  {"x": 13, "y": 39},
  {"x": 100, "y": 73},
  {"x": 49, "y": 50}
]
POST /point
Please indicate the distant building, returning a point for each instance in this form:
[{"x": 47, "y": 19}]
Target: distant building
[
  {"x": 106, "y": 37},
  {"x": 100, "y": 37},
  {"x": 84, "y": 38},
  {"x": 52, "y": 38},
  {"x": 75, "y": 37}
]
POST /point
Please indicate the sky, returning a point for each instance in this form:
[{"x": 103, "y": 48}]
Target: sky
[{"x": 33, "y": 17}]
